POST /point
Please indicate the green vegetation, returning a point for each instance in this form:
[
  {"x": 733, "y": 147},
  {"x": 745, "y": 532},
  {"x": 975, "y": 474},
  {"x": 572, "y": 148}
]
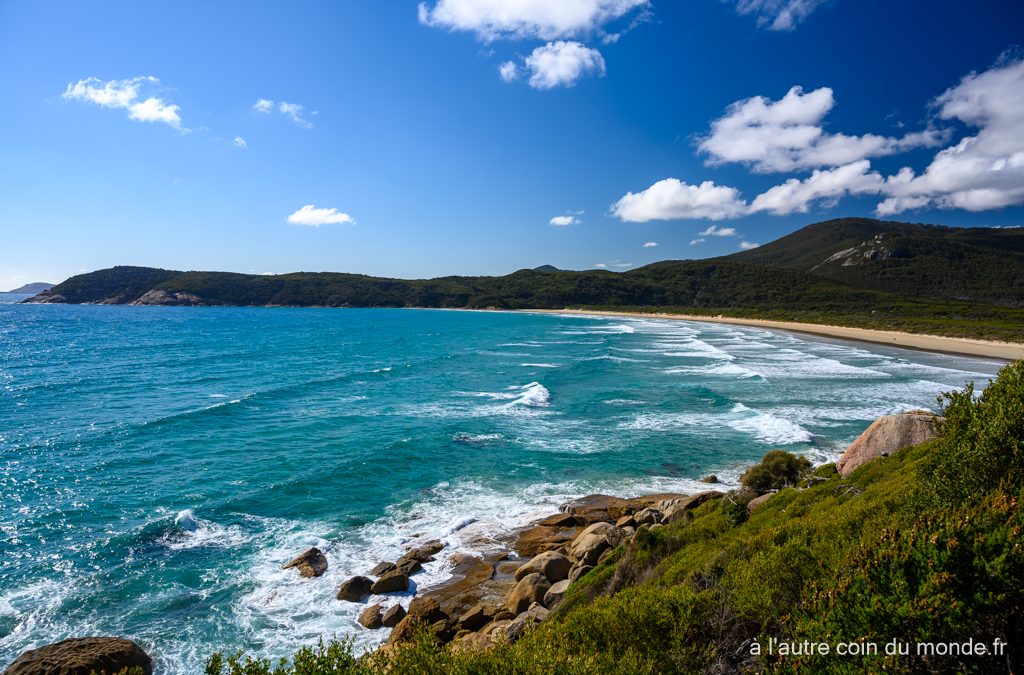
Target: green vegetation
[
  {"x": 975, "y": 264},
  {"x": 778, "y": 469},
  {"x": 896, "y": 551},
  {"x": 916, "y": 278}
]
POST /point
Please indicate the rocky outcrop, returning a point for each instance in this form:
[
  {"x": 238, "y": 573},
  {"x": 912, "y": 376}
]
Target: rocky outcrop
[
  {"x": 886, "y": 435},
  {"x": 310, "y": 563},
  {"x": 593, "y": 541},
  {"x": 677, "y": 507},
  {"x": 169, "y": 299},
  {"x": 82, "y": 656},
  {"x": 597, "y": 508},
  {"x": 758, "y": 501}
]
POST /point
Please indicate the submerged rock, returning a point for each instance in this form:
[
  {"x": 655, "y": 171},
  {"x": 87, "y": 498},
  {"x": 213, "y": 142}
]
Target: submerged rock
[
  {"x": 710, "y": 479},
  {"x": 310, "y": 563},
  {"x": 886, "y": 435},
  {"x": 82, "y": 656}
]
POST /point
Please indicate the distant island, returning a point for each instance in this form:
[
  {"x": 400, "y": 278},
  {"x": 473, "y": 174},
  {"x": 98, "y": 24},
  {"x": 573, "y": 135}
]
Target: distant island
[
  {"x": 34, "y": 288},
  {"x": 963, "y": 282}
]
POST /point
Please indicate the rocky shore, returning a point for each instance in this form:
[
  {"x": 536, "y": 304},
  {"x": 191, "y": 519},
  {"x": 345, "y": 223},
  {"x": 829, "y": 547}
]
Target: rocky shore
[{"x": 498, "y": 596}]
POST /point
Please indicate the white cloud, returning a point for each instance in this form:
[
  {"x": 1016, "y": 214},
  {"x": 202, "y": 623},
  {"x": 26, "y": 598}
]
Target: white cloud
[
  {"x": 602, "y": 265},
  {"x": 747, "y": 245},
  {"x": 239, "y": 142},
  {"x": 125, "y": 94},
  {"x": 314, "y": 217},
  {"x": 778, "y": 14},
  {"x": 509, "y": 71},
  {"x": 650, "y": 244},
  {"x": 787, "y": 135},
  {"x": 980, "y": 172},
  {"x": 796, "y": 196},
  {"x": 715, "y": 231},
  {"x": 565, "y": 220},
  {"x": 541, "y": 19},
  {"x": 697, "y": 241},
  {"x": 292, "y": 111},
  {"x": 672, "y": 199},
  {"x": 622, "y": 264},
  {"x": 557, "y": 64}
]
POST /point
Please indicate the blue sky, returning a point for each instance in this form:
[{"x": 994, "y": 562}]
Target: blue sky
[{"x": 482, "y": 136}]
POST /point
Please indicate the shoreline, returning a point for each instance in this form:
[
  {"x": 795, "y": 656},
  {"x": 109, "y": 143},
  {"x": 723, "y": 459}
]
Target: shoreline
[{"x": 1004, "y": 351}]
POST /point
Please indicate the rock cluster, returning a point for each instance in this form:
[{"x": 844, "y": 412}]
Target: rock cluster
[{"x": 82, "y": 656}]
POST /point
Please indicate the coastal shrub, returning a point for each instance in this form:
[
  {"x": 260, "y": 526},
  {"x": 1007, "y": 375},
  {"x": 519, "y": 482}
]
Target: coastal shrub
[
  {"x": 334, "y": 658},
  {"x": 778, "y": 469},
  {"x": 982, "y": 444}
]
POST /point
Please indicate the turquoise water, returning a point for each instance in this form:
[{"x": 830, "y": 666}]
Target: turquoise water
[{"x": 158, "y": 465}]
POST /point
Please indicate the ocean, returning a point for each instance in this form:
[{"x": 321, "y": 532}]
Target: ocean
[{"x": 158, "y": 465}]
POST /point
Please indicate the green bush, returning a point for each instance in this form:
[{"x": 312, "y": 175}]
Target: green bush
[
  {"x": 982, "y": 444},
  {"x": 778, "y": 469}
]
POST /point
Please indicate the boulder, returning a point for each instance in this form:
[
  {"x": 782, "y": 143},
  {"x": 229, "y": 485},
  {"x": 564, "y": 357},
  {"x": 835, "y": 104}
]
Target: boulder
[
  {"x": 757, "y": 501},
  {"x": 392, "y": 582},
  {"x": 564, "y": 520},
  {"x": 443, "y": 630},
  {"x": 540, "y": 538},
  {"x": 652, "y": 500},
  {"x": 408, "y": 566},
  {"x": 597, "y": 508},
  {"x": 383, "y": 568},
  {"x": 310, "y": 563},
  {"x": 886, "y": 435},
  {"x": 82, "y": 656},
  {"x": 675, "y": 509},
  {"x": 372, "y": 617},
  {"x": 472, "y": 642},
  {"x": 578, "y": 571},
  {"x": 517, "y": 626},
  {"x": 427, "y": 608},
  {"x": 556, "y": 593},
  {"x": 604, "y": 556},
  {"x": 503, "y": 614},
  {"x": 529, "y": 590},
  {"x": 355, "y": 589},
  {"x": 425, "y": 552},
  {"x": 647, "y": 516},
  {"x": 475, "y": 618},
  {"x": 710, "y": 479},
  {"x": 594, "y": 541},
  {"x": 553, "y": 565},
  {"x": 403, "y": 630},
  {"x": 625, "y": 521},
  {"x": 537, "y": 612},
  {"x": 392, "y": 616},
  {"x": 496, "y": 627}
]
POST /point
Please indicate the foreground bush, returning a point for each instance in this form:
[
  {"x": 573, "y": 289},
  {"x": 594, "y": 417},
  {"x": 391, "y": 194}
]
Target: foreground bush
[{"x": 778, "y": 469}]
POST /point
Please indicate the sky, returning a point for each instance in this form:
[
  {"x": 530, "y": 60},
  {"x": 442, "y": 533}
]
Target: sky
[{"x": 420, "y": 139}]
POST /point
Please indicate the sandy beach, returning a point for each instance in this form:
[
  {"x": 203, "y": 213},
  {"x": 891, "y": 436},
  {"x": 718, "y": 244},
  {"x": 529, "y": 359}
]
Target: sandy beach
[{"x": 1009, "y": 351}]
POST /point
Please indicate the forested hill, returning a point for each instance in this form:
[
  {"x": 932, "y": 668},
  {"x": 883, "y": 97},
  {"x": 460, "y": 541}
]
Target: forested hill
[
  {"x": 920, "y": 278},
  {"x": 972, "y": 264}
]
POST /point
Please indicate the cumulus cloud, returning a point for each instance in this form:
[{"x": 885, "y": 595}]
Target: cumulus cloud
[
  {"x": 518, "y": 19},
  {"x": 747, "y": 245},
  {"x": 697, "y": 241},
  {"x": 796, "y": 196},
  {"x": 715, "y": 231},
  {"x": 239, "y": 142},
  {"x": 650, "y": 244},
  {"x": 556, "y": 64},
  {"x": 672, "y": 199},
  {"x": 565, "y": 220},
  {"x": 312, "y": 216},
  {"x": 787, "y": 135},
  {"x": 602, "y": 265},
  {"x": 292, "y": 111},
  {"x": 126, "y": 95},
  {"x": 778, "y": 14},
  {"x": 983, "y": 171},
  {"x": 509, "y": 71}
]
